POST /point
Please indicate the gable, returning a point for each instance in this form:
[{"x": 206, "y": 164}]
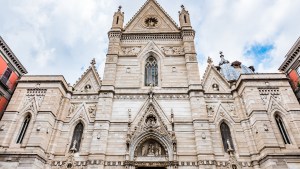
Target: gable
[
  {"x": 151, "y": 18},
  {"x": 212, "y": 77},
  {"x": 89, "y": 82}
]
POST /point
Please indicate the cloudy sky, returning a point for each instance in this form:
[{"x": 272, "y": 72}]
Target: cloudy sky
[{"x": 61, "y": 37}]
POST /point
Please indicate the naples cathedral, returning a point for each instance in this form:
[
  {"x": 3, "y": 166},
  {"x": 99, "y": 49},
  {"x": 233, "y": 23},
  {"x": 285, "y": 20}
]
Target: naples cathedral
[{"x": 151, "y": 109}]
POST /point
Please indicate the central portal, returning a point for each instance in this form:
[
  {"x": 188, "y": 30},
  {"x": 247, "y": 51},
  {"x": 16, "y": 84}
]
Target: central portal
[{"x": 151, "y": 168}]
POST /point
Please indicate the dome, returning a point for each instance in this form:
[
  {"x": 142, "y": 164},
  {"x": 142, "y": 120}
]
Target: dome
[{"x": 232, "y": 71}]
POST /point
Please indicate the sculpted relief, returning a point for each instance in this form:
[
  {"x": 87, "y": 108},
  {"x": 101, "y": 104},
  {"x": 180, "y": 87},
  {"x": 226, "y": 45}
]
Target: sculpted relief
[
  {"x": 177, "y": 50},
  {"x": 151, "y": 148},
  {"x": 131, "y": 50}
]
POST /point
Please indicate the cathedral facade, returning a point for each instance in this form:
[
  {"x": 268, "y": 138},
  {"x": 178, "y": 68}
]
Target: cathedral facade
[{"x": 152, "y": 110}]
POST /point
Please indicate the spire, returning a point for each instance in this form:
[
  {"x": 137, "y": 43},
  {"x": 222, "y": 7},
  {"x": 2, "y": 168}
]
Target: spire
[
  {"x": 118, "y": 19},
  {"x": 223, "y": 60},
  {"x": 184, "y": 18}
]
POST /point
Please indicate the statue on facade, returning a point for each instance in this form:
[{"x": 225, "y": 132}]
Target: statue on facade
[{"x": 74, "y": 146}]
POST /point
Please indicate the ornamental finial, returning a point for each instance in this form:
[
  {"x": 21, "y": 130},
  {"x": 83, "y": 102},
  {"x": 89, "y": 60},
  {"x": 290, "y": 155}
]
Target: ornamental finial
[
  {"x": 209, "y": 60},
  {"x": 93, "y": 62},
  {"x": 120, "y": 7},
  {"x": 221, "y": 54}
]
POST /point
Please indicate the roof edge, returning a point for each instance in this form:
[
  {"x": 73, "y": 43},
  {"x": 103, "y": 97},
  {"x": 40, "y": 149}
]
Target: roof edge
[{"x": 12, "y": 57}]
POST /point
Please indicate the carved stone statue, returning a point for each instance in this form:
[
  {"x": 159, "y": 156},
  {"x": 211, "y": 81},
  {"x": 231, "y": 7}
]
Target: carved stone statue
[
  {"x": 72, "y": 108},
  {"x": 150, "y": 150},
  {"x": 144, "y": 150},
  {"x": 74, "y": 146},
  {"x": 228, "y": 144}
]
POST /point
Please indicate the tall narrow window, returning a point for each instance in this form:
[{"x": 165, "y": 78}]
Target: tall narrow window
[
  {"x": 184, "y": 19},
  {"x": 117, "y": 20},
  {"x": 282, "y": 129},
  {"x": 23, "y": 129},
  {"x": 6, "y": 75},
  {"x": 226, "y": 137},
  {"x": 151, "y": 73},
  {"x": 76, "y": 139}
]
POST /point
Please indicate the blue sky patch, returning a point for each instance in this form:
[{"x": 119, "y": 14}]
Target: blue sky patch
[{"x": 259, "y": 52}]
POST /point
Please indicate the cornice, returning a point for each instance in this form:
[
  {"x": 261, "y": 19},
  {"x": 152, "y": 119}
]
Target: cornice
[
  {"x": 13, "y": 60},
  {"x": 291, "y": 57}
]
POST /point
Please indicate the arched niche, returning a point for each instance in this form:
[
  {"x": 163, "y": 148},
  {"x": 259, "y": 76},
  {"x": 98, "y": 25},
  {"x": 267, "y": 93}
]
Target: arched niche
[{"x": 151, "y": 146}]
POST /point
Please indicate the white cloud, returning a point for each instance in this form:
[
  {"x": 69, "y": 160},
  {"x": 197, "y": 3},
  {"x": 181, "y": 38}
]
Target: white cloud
[{"x": 60, "y": 37}]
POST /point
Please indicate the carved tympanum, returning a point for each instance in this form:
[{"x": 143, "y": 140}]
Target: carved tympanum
[{"x": 151, "y": 148}]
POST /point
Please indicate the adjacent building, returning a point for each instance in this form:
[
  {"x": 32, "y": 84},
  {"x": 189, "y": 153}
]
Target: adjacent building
[
  {"x": 291, "y": 67},
  {"x": 152, "y": 110},
  {"x": 11, "y": 70}
]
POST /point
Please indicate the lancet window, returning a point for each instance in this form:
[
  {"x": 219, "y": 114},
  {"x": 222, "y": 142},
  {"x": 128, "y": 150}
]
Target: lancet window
[
  {"x": 226, "y": 137},
  {"x": 23, "y": 129},
  {"x": 76, "y": 139},
  {"x": 151, "y": 72},
  {"x": 282, "y": 129}
]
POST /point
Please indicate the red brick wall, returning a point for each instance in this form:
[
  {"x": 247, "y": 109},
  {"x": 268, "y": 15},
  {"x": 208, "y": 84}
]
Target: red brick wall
[
  {"x": 293, "y": 75},
  {"x": 3, "y": 65},
  {"x": 13, "y": 77},
  {"x": 3, "y": 103}
]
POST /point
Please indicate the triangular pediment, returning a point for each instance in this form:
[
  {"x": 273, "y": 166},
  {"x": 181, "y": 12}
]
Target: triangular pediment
[
  {"x": 275, "y": 105},
  {"x": 89, "y": 82},
  {"x": 151, "y": 47},
  {"x": 82, "y": 111},
  {"x": 153, "y": 11},
  {"x": 222, "y": 114},
  {"x": 214, "y": 82},
  {"x": 151, "y": 106}
]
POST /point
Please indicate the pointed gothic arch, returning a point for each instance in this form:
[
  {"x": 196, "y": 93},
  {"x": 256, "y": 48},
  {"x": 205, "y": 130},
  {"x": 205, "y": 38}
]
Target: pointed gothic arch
[
  {"x": 282, "y": 129},
  {"x": 226, "y": 136},
  {"x": 151, "y": 71},
  {"x": 145, "y": 139},
  {"x": 77, "y": 137},
  {"x": 24, "y": 128}
]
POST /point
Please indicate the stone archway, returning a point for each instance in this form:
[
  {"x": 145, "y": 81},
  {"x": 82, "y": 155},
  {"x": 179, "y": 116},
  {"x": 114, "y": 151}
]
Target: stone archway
[{"x": 150, "y": 145}]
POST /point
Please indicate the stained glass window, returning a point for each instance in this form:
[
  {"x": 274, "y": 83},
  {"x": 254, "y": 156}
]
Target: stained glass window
[{"x": 151, "y": 72}]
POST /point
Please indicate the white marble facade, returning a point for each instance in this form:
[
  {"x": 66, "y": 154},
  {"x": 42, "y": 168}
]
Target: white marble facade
[{"x": 172, "y": 123}]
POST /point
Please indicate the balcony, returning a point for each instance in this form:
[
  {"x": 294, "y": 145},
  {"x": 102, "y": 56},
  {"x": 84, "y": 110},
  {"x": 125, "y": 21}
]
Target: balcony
[{"x": 6, "y": 83}]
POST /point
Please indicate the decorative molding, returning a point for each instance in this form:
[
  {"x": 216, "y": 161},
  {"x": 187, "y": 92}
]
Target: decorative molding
[
  {"x": 33, "y": 96},
  {"x": 177, "y": 50},
  {"x": 131, "y": 50},
  {"x": 267, "y": 92},
  {"x": 147, "y": 37},
  {"x": 144, "y": 163},
  {"x": 218, "y": 96},
  {"x": 85, "y": 97},
  {"x": 156, "y": 96}
]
